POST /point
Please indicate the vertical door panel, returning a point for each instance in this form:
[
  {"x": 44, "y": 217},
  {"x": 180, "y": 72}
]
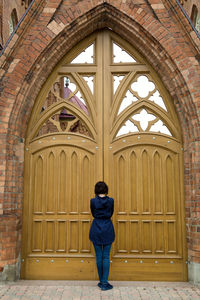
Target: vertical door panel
[
  {"x": 51, "y": 184},
  {"x": 86, "y": 185},
  {"x": 74, "y": 174},
  {"x": 133, "y": 175},
  {"x": 159, "y": 237},
  {"x": 171, "y": 237},
  {"x": 134, "y": 236},
  {"x": 37, "y": 236},
  {"x": 122, "y": 237},
  {"x": 63, "y": 183},
  {"x": 38, "y": 178},
  {"x": 85, "y": 243},
  {"x": 61, "y": 236},
  {"x": 145, "y": 182},
  {"x": 73, "y": 236},
  {"x": 157, "y": 183},
  {"x": 170, "y": 189},
  {"x": 121, "y": 176},
  {"x": 146, "y": 233},
  {"x": 49, "y": 236}
]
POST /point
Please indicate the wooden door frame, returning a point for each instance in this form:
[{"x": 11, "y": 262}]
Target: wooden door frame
[{"x": 31, "y": 131}]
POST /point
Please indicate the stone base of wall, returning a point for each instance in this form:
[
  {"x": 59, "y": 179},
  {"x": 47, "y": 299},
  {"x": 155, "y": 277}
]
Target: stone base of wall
[
  {"x": 11, "y": 272},
  {"x": 194, "y": 273},
  {"x": 10, "y": 245}
]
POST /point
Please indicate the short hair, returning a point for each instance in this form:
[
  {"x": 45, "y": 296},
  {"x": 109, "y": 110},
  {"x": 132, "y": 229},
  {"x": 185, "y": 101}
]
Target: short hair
[{"x": 101, "y": 188}]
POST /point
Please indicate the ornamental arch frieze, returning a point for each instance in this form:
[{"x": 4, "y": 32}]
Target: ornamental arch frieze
[{"x": 55, "y": 39}]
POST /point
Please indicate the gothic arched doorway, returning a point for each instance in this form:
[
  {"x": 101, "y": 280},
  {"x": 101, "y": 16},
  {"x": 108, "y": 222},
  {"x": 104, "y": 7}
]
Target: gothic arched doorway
[{"x": 104, "y": 114}]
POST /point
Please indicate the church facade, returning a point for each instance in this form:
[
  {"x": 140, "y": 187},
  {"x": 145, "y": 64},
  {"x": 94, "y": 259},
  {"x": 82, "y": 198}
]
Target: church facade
[{"x": 100, "y": 90}]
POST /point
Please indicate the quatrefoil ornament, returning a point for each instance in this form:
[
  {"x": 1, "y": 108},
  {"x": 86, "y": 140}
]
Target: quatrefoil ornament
[{"x": 143, "y": 86}]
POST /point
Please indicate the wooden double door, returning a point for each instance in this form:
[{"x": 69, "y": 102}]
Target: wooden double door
[{"x": 103, "y": 114}]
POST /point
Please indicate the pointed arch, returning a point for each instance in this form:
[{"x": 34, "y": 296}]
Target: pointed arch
[
  {"x": 137, "y": 107},
  {"x": 134, "y": 33},
  {"x": 55, "y": 108},
  {"x": 13, "y": 20},
  {"x": 195, "y": 17}
]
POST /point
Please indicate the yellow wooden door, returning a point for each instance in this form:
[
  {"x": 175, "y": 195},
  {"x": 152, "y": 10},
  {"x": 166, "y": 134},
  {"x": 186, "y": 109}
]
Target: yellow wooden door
[
  {"x": 103, "y": 114},
  {"x": 143, "y": 149}
]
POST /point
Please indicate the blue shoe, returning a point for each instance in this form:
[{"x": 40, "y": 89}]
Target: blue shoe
[
  {"x": 99, "y": 285},
  {"x": 106, "y": 287}
]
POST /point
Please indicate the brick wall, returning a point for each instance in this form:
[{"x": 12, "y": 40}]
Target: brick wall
[{"x": 157, "y": 28}]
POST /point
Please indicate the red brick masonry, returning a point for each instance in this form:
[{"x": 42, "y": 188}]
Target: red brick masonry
[{"x": 157, "y": 28}]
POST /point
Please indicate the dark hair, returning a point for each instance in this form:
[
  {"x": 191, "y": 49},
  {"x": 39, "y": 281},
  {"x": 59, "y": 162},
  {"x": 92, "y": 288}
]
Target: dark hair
[{"x": 101, "y": 188}]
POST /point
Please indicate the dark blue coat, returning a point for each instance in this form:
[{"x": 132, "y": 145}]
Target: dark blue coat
[{"x": 102, "y": 230}]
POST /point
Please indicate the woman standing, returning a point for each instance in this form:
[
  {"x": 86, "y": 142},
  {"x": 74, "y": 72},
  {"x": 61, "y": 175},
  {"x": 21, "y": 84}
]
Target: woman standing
[{"x": 102, "y": 232}]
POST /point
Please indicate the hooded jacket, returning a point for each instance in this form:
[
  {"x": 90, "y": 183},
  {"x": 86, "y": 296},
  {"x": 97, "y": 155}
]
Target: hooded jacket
[{"x": 102, "y": 230}]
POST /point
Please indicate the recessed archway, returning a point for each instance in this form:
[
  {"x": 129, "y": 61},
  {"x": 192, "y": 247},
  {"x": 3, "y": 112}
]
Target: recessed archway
[
  {"x": 102, "y": 16},
  {"x": 104, "y": 114}
]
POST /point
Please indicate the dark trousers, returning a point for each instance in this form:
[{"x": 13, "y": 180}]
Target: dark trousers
[{"x": 103, "y": 261}]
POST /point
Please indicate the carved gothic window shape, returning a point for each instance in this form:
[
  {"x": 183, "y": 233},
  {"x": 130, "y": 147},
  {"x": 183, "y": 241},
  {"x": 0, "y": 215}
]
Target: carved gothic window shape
[
  {"x": 63, "y": 121},
  {"x": 74, "y": 95},
  {"x": 139, "y": 90},
  {"x": 128, "y": 127},
  {"x": 65, "y": 89},
  {"x": 116, "y": 81},
  {"x": 143, "y": 86},
  {"x": 144, "y": 121},
  {"x": 52, "y": 96},
  {"x": 90, "y": 82},
  {"x": 85, "y": 57},
  {"x": 195, "y": 18},
  {"x": 13, "y": 20},
  {"x": 127, "y": 101},
  {"x": 160, "y": 127},
  {"x": 157, "y": 99},
  {"x": 121, "y": 56}
]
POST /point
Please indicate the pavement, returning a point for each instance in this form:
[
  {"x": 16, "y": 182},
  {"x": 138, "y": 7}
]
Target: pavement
[{"x": 88, "y": 290}]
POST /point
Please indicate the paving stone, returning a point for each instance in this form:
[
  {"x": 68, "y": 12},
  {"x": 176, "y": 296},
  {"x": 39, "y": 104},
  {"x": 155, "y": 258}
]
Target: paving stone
[{"x": 88, "y": 290}]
